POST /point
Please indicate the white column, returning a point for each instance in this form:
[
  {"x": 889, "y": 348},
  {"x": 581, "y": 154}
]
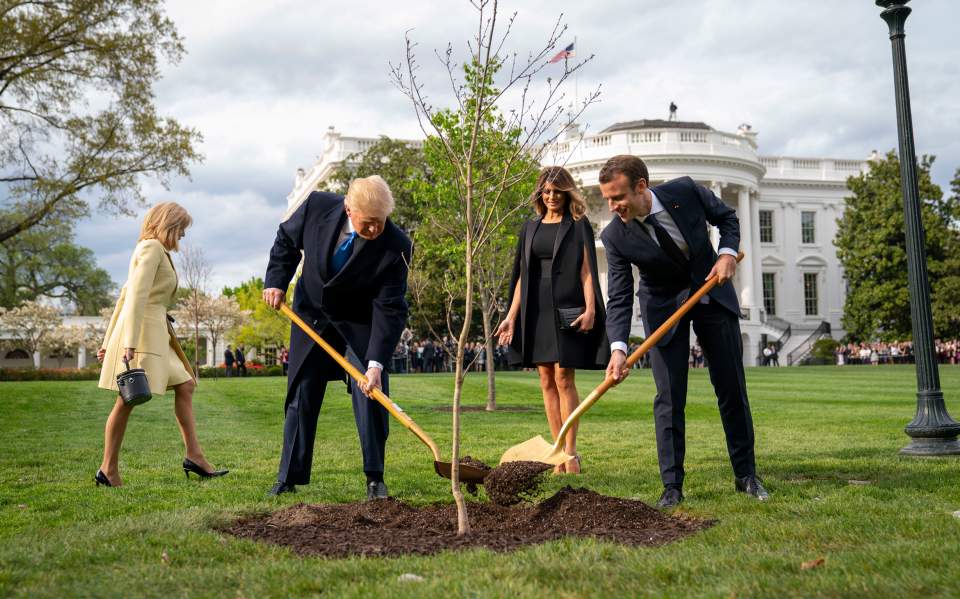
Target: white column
[
  {"x": 211, "y": 352},
  {"x": 746, "y": 269},
  {"x": 36, "y": 359},
  {"x": 82, "y": 357},
  {"x": 757, "y": 257}
]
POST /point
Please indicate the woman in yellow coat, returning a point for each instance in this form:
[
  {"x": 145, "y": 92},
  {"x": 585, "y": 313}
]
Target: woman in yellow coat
[{"x": 139, "y": 331}]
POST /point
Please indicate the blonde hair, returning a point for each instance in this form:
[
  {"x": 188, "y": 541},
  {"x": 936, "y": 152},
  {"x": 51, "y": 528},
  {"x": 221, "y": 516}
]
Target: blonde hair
[
  {"x": 164, "y": 222},
  {"x": 370, "y": 195},
  {"x": 563, "y": 181}
]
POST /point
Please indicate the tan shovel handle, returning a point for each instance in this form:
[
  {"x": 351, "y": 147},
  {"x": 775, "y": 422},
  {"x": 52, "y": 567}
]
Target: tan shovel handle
[
  {"x": 395, "y": 410},
  {"x": 648, "y": 343}
]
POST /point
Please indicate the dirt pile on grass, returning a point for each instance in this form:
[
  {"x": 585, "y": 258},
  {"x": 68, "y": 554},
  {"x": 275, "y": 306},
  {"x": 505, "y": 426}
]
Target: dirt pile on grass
[{"x": 390, "y": 527}]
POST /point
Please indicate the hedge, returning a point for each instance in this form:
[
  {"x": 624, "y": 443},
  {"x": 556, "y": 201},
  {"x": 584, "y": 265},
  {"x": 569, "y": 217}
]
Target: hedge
[{"x": 93, "y": 373}]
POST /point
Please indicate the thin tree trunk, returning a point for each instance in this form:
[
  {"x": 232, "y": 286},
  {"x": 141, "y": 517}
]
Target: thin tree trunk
[
  {"x": 488, "y": 347},
  {"x": 463, "y": 522}
]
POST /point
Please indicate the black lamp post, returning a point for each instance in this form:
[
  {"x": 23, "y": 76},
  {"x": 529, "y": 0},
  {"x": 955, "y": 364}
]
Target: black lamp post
[{"x": 932, "y": 430}]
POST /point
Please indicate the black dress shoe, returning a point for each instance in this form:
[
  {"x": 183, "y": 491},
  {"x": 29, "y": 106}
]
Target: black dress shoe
[
  {"x": 191, "y": 466},
  {"x": 101, "y": 479},
  {"x": 751, "y": 486},
  {"x": 671, "y": 498},
  {"x": 376, "y": 490},
  {"x": 280, "y": 488}
]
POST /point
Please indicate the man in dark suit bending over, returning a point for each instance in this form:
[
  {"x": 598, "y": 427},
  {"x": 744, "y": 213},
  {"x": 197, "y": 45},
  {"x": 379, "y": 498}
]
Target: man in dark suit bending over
[
  {"x": 352, "y": 291},
  {"x": 663, "y": 231}
]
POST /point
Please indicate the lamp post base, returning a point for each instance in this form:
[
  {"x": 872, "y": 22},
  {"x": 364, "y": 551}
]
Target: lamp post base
[{"x": 931, "y": 446}]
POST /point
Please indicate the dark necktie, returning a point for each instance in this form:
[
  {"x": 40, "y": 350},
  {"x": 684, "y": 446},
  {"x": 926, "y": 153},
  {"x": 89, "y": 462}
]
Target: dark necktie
[
  {"x": 343, "y": 251},
  {"x": 667, "y": 244}
]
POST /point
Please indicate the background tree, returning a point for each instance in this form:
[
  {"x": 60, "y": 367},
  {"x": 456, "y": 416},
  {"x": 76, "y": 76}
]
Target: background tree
[
  {"x": 871, "y": 246},
  {"x": 44, "y": 262},
  {"x": 262, "y": 325},
  {"x": 442, "y": 244},
  {"x": 195, "y": 276},
  {"x": 221, "y": 317},
  {"x": 479, "y": 194},
  {"x": 77, "y": 108},
  {"x": 28, "y": 326},
  {"x": 64, "y": 342}
]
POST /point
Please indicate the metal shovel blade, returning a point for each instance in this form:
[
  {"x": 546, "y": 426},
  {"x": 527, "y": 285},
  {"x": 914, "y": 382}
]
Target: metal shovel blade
[
  {"x": 536, "y": 450},
  {"x": 468, "y": 474}
]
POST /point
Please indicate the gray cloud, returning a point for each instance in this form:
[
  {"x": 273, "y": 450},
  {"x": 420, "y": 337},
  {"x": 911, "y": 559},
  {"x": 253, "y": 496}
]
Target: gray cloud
[{"x": 263, "y": 81}]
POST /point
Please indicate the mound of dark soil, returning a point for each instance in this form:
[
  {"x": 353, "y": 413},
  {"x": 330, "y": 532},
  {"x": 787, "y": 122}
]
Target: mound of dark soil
[{"x": 390, "y": 527}]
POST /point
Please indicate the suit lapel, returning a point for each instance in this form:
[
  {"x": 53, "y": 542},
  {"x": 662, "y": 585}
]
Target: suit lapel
[
  {"x": 531, "y": 226},
  {"x": 565, "y": 225},
  {"x": 330, "y": 228},
  {"x": 359, "y": 243}
]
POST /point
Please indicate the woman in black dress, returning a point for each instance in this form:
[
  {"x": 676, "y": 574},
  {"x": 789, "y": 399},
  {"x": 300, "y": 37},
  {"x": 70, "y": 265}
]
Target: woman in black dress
[{"x": 556, "y": 319}]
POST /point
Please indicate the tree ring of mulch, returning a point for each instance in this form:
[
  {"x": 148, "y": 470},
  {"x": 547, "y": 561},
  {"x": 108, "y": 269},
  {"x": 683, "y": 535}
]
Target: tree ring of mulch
[{"x": 390, "y": 527}]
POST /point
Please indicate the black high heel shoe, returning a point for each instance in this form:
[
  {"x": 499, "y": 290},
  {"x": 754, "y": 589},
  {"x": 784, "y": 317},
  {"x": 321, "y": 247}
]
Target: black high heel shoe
[
  {"x": 190, "y": 466},
  {"x": 101, "y": 479}
]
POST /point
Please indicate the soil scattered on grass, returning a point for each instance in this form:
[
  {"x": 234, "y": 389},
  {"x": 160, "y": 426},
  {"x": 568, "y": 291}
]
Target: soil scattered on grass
[
  {"x": 512, "y": 482},
  {"x": 389, "y": 527}
]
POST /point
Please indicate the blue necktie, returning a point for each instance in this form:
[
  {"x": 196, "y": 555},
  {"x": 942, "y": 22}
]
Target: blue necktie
[{"x": 343, "y": 252}]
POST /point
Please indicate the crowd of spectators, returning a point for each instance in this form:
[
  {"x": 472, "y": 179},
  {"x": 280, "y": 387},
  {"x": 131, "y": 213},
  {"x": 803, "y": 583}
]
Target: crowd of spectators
[
  {"x": 430, "y": 355},
  {"x": 947, "y": 352}
]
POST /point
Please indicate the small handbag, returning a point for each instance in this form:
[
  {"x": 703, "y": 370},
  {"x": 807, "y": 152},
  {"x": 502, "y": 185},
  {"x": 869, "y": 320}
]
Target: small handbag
[
  {"x": 566, "y": 317},
  {"x": 133, "y": 385}
]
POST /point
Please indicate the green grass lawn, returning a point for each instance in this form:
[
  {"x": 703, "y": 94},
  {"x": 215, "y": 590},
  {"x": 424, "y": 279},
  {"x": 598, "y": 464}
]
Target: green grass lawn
[{"x": 818, "y": 429}]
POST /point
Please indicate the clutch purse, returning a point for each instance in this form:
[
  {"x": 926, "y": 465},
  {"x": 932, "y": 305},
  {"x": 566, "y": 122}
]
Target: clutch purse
[
  {"x": 566, "y": 316},
  {"x": 133, "y": 385}
]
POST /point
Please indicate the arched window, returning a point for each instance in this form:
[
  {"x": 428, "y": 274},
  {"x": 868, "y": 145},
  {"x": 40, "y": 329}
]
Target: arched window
[{"x": 17, "y": 354}]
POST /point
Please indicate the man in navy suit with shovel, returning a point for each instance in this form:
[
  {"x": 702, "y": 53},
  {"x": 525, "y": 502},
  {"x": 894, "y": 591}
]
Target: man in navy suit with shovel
[
  {"x": 663, "y": 231},
  {"x": 352, "y": 291}
]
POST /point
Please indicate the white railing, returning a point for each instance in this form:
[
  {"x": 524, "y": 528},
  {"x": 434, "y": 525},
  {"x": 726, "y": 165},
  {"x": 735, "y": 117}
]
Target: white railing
[
  {"x": 825, "y": 169},
  {"x": 650, "y": 142}
]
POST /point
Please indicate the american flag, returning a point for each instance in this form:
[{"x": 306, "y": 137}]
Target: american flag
[{"x": 564, "y": 54}]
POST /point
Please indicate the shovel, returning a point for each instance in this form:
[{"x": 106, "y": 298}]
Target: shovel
[
  {"x": 539, "y": 450},
  {"x": 468, "y": 474}
]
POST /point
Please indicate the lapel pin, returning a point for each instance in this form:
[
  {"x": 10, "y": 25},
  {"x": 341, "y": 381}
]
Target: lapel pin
[{"x": 675, "y": 206}]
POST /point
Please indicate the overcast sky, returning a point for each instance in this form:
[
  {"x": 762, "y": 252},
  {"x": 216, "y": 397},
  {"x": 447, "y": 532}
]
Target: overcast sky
[{"x": 262, "y": 81}]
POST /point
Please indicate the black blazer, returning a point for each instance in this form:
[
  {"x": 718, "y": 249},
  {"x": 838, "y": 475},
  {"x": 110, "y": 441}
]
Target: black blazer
[
  {"x": 664, "y": 285},
  {"x": 363, "y": 305},
  {"x": 575, "y": 350}
]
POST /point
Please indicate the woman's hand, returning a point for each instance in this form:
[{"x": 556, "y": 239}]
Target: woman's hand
[
  {"x": 100, "y": 354},
  {"x": 128, "y": 353},
  {"x": 585, "y": 320},
  {"x": 505, "y": 331}
]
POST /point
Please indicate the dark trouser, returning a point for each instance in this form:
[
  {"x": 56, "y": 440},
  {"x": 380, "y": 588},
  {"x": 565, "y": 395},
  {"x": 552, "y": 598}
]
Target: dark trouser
[
  {"x": 304, "y": 398},
  {"x": 718, "y": 332},
  {"x": 229, "y": 369}
]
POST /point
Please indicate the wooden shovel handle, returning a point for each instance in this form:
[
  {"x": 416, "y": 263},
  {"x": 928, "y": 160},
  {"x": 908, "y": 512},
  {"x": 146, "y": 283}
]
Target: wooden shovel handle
[
  {"x": 395, "y": 410},
  {"x": 648, "y": 343}
]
